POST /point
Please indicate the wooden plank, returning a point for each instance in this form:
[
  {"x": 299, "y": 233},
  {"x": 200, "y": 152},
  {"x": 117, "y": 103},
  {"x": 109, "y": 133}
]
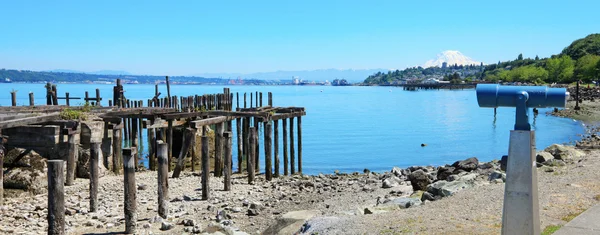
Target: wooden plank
[
  {"x": 210, "y": 121},
  {"x": 29, "y": 120},
  {"x": 287, "y": 115},
  {"x": 160, "y": 123},
  {"x": 16, "y": 116}
]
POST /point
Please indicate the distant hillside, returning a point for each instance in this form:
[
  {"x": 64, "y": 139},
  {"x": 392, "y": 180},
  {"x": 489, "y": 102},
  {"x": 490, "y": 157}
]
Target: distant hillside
[
  {"x": 352, "y": 75},
  {"x": 578, "y": 61},
  {"x": 589, "y": 45},
  {"x": 35, "y": 76}
]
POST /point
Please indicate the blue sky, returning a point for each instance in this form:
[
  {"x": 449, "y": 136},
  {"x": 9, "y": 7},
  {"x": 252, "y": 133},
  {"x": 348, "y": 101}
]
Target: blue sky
[{"x": 191, "y": 37}]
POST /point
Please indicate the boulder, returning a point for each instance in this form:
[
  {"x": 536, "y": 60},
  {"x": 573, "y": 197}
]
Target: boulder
[
  {"x": 543, "y": 156},
  {"x": 419, "y": 180},
  {"x": 83, "y": 165},
  {"x": 405, "y": 202},
  {"x": 32, "y": 175},
  {"x": 497, "y": 175},
  {"x": 444, "y": 172},
  {"x": 563, "y": 152},
  {"x": 444, "y": 188},
  {"x": 291, "y": 222},
  {"x": 391, "y": 182},
  {"x": 427, "y": 196},
  {"x": 397, "y": 171},
  {"x": 468, "y": 164},
  {"x": 554, "y": 162}
]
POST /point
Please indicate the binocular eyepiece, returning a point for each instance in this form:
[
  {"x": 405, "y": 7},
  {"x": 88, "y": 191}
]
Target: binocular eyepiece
[{"x": 494, "y": 95}]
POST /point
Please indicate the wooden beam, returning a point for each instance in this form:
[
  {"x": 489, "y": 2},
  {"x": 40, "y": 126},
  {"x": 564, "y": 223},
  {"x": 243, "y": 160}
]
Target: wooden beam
[
  {"x": 210, "y": 121},
  {"x": 29, "y": 120},
  {"x": 287, "y": 115}
]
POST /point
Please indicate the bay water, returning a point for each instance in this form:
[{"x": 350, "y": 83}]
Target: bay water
[{"x": 353, "y": 128}]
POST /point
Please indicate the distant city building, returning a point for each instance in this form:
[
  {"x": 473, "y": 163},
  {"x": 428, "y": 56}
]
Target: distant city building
[{"x": 444, "y": 65}]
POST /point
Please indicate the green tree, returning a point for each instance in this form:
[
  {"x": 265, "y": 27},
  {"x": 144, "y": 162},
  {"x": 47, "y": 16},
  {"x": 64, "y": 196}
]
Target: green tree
[
  {"x": 520, "y": 57},
  {"x": 560, "y": 69},
  {"x": 537, "y": 57},
  {"x": 585, "y": 68}
]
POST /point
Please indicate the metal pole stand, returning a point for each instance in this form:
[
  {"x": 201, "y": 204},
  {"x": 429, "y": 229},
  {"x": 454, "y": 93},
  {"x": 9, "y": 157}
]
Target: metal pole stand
[{"x": 520, "y": 213}]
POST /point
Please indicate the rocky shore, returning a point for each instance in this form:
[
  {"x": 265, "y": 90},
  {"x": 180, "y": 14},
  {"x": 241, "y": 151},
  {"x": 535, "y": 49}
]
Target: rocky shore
[{"x": 462, "y": 198}]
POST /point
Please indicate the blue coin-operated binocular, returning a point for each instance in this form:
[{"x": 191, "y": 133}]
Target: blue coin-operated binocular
[
  {"x": 520, "y": 97},
  {"x": 520, "y": 213}
]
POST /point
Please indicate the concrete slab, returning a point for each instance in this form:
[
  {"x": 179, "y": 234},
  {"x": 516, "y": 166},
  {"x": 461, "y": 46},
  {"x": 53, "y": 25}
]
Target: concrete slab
[{"x": 585, "y": 223}]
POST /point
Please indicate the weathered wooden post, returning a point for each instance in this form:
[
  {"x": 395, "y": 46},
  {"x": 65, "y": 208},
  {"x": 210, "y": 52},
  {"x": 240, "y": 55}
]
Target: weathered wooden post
[
  {"x": 134, "y": 139},
  {"x": 261, "y": 99},
  {"x": 270, "y": 99},
  {"x": 227, "y": 169},
  {"x": 285, "y": 148},
  {"x": 240, "y": 146},
  {"x": 300, "y": 144},
  {"x": 93, "y": 165},
  {"x": 219, "y": 150},
  {"x": 268, "y": 141},
  {"x": 151, "y": 149},
  {"x": 98, "y": 97},
  {"x": 251, "y": 152},
  {"x": 163, "y": 179},
  {"x": 48, "y": 94},
  {"x": 276, "y": 146},
  {"x": 257, "y": 147},
  {"x": 13, "y": 98},
  {"x": 117, "y": 146},
  {"x": 170, "y": 140},
  {"x": 106, "y": 148},
  {"x": 56, "y": 198},
  {"x": 168, "y": 99},
  {"x": 188, "y": 135},
  {"x": 205, "y": 167},
  {"x": 72, "y": 157},
  {"x": 244, "y": 99},
  {"x": 54, "y": 95},
  {"x": 31, "y": 100},
  {"x": 67, "y": 99},
  {"x": 251, "y": 100},
  {"x": 130, "y": 190},
  {"x": 577, "y": 97},
  {"x": 256, "y": 96},
  {"x": 292, "y": 167}
]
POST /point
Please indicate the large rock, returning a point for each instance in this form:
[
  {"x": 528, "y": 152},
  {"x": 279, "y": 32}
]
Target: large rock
[
  {"x": 468, "y": 164},
  {"x": 563, "y": 152},
  {"x": 83, "y": 164},
  {"x": 419, "y": 180},
  {"x": 31, "y": 175},
  {"x": 444, "y": 172},
  {"x": 405, "y": 202},
  {"x": 391, "y": 182},
  {"x": 291, "y": 222},
  {"x": 543, "y": 156},
  {"x": 503, "y": 162},
  {"x": 444, "y": 188}
]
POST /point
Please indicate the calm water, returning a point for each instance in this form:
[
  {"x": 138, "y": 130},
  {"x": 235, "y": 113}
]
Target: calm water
[{"x": 352, "y": 128}]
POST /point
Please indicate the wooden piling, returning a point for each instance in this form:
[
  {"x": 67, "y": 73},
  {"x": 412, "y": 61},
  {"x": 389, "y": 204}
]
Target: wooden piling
[
  {"x": 31, "y": 100},
  {"x": 251, "y": 152},
  {"x": 276, "y": 146},
  {"x": 285, "y": 147},
  {"x": 170, "y": 141},
  {"x": 93, "y": 167},
  {"x": 218, "y": 150},
  {"x": 48, "y": 94},
  {"x": 227, "y": 168},
  {"x": 134, "y": 139},
  {"x": 268, "y": 139},
  {"x": 256, "y": 95},
  {"x": 54, "y": 95},
  {"x": 246, "y": 139},
  {"x": 188, "y": 135},
  {"x": 98, "y": 97},
  {"x": 251, "y": 100},
  {"x": 72, "y": 156},
  {"x": 168, "y": 97},
  {"x": 244, "y": 99},
  {"x": 130, "y": 190},
  {"x": 13, "y": 98},
  {"x": 151, "y": 149},
  {"x": 205, "y": 167},
  {"x": 292, "y": 158},
  {"x": 163, "y": 179},
  {"x": 270, "y": 99},
  {"x": 261, "y": 99},
  {"x": 117, "y": 141},
  {"x": 299, "y": 144},
  {"x": 257, "y": 147},
  {"x": 56, "y": 197},
  {"x": 238, "y": 128}
]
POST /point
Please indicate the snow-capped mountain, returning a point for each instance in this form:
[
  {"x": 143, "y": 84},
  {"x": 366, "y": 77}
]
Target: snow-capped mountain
[{"x": 450, "y": 57}]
